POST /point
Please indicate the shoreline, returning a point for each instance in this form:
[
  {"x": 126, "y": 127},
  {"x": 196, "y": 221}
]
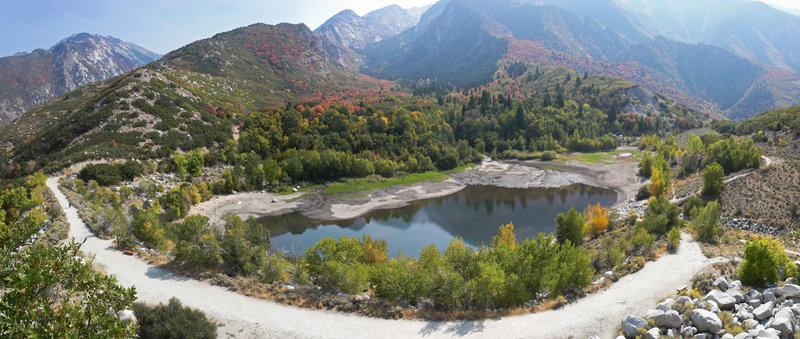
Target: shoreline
[{"x": 620, "y": 177}]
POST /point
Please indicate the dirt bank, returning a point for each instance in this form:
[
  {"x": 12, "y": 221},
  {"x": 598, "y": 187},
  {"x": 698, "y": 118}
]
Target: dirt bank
[{"x": 619, "y": 176}]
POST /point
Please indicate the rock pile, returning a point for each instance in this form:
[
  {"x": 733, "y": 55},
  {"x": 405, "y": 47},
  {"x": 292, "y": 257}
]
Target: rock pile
[
  {"x": 747, "y": 313},
  {"x": 752, "y": 226}
]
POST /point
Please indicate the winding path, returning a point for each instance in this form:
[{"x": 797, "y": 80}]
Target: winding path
[{"x": 243, "y": 316}]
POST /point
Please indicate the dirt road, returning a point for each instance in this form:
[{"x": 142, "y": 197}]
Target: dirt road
[{"x": 246, "y": 317}]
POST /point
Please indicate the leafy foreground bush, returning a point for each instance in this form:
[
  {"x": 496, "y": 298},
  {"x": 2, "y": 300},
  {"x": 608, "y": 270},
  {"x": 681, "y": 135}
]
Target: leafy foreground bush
[
  {"x": 503, "y": 275},
  {"x": 172, "y": 321},
  {"x": 765, "y": 261}
]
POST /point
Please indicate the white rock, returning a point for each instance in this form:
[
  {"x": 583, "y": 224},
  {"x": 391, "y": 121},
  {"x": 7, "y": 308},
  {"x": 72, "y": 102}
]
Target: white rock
[
  {"x": 727, "y": 336},
  {"x": 669, "y": 319},
  {"x": 653, "y": 333},
  {"x": 769, "y": 296},
  {"x": 788, "y": 291},
  {"x": 683, "y": 300},
  {"x": 706, "y": 321},
  {"x": 783, "y": 325},
  {"x": 724, "y": 300},
  {"x": 735, "y": 284},
  {"x": 749, "y": 323},
  {"x": 763, "y": 312},
  {"x": 785, "y": 313},
  {"x": 736, "y": 294},
  {"x": 743, "y": 335},
  {"x": 631, "y": 326}
]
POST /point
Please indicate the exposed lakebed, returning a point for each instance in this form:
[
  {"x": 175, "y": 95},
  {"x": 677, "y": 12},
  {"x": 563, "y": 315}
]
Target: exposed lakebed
[{"x": 474, "y": 214}]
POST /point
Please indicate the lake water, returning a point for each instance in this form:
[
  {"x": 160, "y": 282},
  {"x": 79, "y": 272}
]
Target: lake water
[{"x": 474, "y": 213}]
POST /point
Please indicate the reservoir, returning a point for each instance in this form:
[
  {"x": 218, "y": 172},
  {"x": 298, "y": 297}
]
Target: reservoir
[{"x": 474, "y": 214}]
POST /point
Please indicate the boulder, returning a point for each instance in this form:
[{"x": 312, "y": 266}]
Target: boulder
[
  {"x": 688, "y": 331},
  {"x": 665, "y": 305},
  {"x": 743, "y": 314},
  {"x": 669, "y": 319},
  {"x": 735, "y": 284},
  {"x": 721, "y": 283},
  {"x": 670, "y": 333},
  {"x": 743, "y": 335},
  {"x": 727, "y": 336},
  {"x": 652, "y": 334},
  {"x": 631, "y": 326},
  {"x": 769, "y": 296},
  {"x": 754, "y": 302},
  {"x": 736, "y": 294},
  {"x": 724, "y": 300},
  {"x": 788, "y": 291},
  {"x": 755, "y": 294},
  {"x": 683, "y": 300},
  {"x": 706, "y": 321},
  {"x": 703, "y": 336},
  {"x": 783, "y": 325},
  {"x": 763, "y": 312}
]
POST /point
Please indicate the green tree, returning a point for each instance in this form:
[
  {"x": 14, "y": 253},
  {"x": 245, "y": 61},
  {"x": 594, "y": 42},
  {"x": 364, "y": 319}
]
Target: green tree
[
  {"x": 570, "y": 227},
  {"x": 574, "y": 268},
  {"x": 196, "y": 243},
  {"x": 713, "y": 180},
  {"x": 661, "y": 216},
  {"x": 194, "y": 163}
]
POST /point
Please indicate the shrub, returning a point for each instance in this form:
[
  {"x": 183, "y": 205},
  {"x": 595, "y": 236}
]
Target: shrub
[
  {"x": 692, "y": 203},
  {"x": 674, "y": 238},
  {"x": 172, "y": 321},
  {"x": 569, "y": 227},
  {"x": 661, "y": 216},
  {"x": 574, "y": 266},
  {"x": 642, "y": 240},
  {"x": 548, "y": 156},
  {"x": 707, "y": 223},
  {"x": 713, "y": 180},
  {"x": 643, "y": 192},
  {"x": 104, "y": 174},
  {"x": 597, "y": 219},
  {"x": 760, "y": 264}
]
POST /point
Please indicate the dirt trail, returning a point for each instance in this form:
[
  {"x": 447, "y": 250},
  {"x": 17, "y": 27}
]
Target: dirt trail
[
  {"x": 674, "y": 200},
  {"x": 247, "y": 317}
]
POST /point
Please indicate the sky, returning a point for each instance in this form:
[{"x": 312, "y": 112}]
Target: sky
[
  {"x": 165, "y": 25},
  {"x": 159, "y": 25}
]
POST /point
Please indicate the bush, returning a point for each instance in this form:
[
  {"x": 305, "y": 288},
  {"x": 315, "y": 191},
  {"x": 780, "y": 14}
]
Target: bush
[
  {"x": 692, "y": 203},
  {"x": 104, "y": 174},
  {"x": 713, "y": 180},
  {"x": 674, "y": 238},
  {"x": 643, "y": 192},
  {"x": 172, "y": 321},
  {"x": 661, "y": 216},
  {"x": 570, "y": 227},
  {"x": 707, "y": 223},
  {"x": 759, "y": 265},
  {"x": 548, "y": 156},
  {"x": 642, "y": 240}
]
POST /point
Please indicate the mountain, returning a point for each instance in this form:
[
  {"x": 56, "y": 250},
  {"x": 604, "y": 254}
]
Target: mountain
[
  {"x": 350, "y": 30},
  {"x": 461, "y": 42},
  {"x": 30, "y": 79},
  {"x": 188, "y": 99},
  {"x": 750, "y": 29}
]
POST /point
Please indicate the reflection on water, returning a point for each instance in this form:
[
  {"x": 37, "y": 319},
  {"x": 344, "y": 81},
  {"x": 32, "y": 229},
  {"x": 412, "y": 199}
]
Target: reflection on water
[{"x": 473, "y": 213}]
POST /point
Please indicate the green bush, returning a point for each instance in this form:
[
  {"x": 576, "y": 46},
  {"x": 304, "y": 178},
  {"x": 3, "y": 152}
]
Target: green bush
[
  {"x": 707, "y": 223},
  {"x": 760, "y": 264},
  {"x": 674, "y": 238},
  {"x": 692, "y": 203},
  {"x": 642, "y": 240},
  {"x": 661, "y": 216},
  {"x": 548, "y": 156},
  {"x": 570, "y": 227},
  {"x": 643, "y": 192},
  {"x": 713, "y": 180},
  {"x": 172, "y": 321}
]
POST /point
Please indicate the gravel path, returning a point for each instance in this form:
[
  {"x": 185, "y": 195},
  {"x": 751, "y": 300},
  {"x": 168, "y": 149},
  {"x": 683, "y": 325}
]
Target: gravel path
[{"x": 246, "y": 317}]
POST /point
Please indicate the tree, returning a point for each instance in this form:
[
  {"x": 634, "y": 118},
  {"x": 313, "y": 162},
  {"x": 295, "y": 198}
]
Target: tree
[
  {"x": 713, "y": 180},
  {"x": 596, "y": 219},
  {"x": 51, "y": 292},
  {"x": 569, "y": 227},
  {"x": 707, "y": 223},
  {"x": 194, "y": 163},
  {"x": 646, "y": 165},
  {"x": 661, "y": 216},
  {"x": 660, "y": 183},
  {"x": 505, "y": 236},
  {"x": 574, "y": 268}
]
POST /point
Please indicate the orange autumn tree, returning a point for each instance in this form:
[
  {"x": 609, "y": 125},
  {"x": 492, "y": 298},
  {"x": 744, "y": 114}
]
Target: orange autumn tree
[{"x": 596, "y": 219}]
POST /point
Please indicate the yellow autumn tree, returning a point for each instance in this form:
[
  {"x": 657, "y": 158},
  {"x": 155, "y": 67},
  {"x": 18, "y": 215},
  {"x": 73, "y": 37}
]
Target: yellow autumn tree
[
  {"x": 596, "y": 219},
  {"x": 505, "y": 236},
  {"x": 660, "y": 183}
]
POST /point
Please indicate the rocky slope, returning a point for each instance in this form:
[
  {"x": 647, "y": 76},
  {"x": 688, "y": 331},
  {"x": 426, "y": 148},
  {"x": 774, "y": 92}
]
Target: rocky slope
[
  {"x": 350, "y": 30},
  {"x": 30, "y": 79}
]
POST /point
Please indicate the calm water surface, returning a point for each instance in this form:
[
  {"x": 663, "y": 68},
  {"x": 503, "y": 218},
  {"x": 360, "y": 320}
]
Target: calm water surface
[{"x": 473, "y": 213}]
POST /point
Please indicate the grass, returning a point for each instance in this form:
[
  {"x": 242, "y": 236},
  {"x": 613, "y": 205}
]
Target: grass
[
  {"x": 551, "y": 168},
  {"x": 597, "y": 157},
  {"x": 371, "y": 183},
  {"x": 302, "y": 189}
]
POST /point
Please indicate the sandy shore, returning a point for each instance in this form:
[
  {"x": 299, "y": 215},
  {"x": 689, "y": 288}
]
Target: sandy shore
[{"x": 620, "y": 177}]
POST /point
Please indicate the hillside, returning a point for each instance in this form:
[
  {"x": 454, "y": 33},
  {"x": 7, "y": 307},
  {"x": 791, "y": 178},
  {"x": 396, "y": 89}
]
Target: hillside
[
  {"x": 460, "y": 42},
  {"x": 27, "y": 80},
  {"x": 187, "y": 100}
]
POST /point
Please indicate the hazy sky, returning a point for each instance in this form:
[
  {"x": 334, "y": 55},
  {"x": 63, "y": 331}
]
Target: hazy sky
[
  {"x": 165, "y": 25},
  {"x": 159, "y": 25}
]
